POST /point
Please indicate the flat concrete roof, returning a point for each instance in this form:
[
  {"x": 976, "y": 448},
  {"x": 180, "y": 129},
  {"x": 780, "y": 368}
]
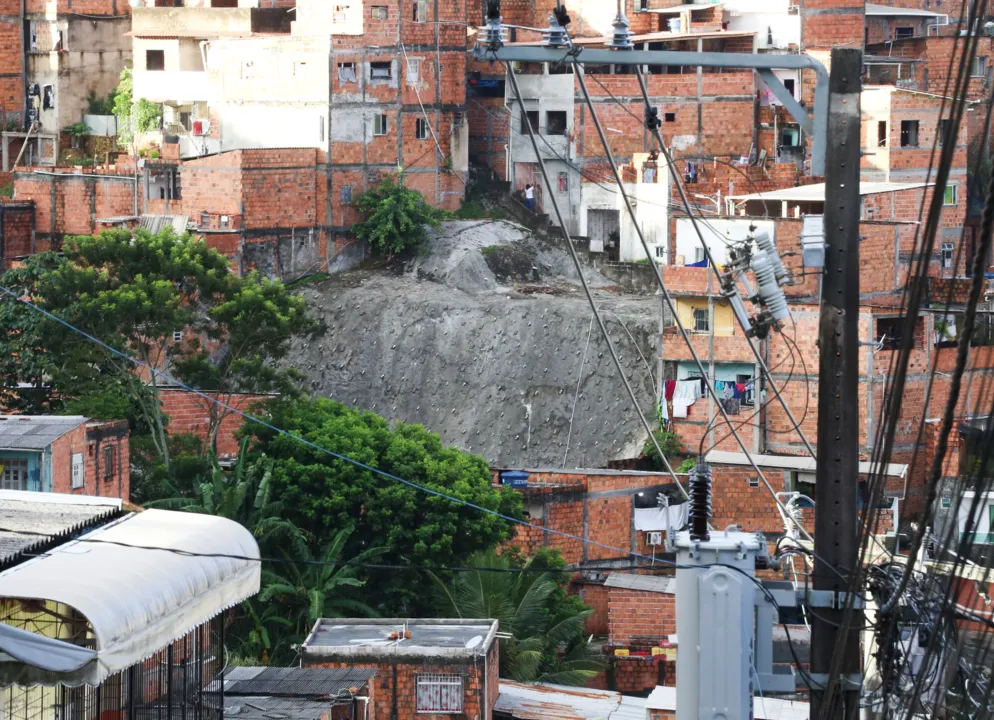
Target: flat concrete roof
[
  {"x": 801, "y": 463},
  {"x": 873, "y": 10},
  {"x": 385, "y": 638}
]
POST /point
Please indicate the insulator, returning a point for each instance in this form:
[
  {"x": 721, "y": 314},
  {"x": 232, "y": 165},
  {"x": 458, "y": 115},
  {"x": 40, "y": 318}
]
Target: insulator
[
  {"x": 621, "y": 38},
  {"x": 495, "y": 33},
  {"x": 700, "y": 501},
  {"x": 766, "y": 244},
  {"x": 770, "y": 293},
  {"x": 555, "y": 35}
]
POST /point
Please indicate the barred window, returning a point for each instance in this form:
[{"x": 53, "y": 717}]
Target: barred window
[
  {"x": 439, "y": 694},
  {"x": 14, "y": 474},
  {"x": 701, "y": 320}
]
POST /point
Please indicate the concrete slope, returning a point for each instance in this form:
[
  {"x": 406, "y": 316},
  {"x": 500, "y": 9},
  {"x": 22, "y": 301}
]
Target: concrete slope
[{"x": 481, "y": 341}]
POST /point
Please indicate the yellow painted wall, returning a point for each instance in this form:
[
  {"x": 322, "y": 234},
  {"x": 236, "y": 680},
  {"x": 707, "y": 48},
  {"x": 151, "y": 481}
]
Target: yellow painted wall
[{"x": 724, "y": 320}]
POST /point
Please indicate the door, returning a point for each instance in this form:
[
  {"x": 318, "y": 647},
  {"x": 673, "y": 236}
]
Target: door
[{"x": 604, "y": 231}]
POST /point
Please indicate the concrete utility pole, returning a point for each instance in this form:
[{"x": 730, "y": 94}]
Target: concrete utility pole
[{"x": 835, "y": 650}]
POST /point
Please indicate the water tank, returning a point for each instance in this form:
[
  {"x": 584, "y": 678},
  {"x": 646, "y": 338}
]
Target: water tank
[{"x": 514, "y": 478}]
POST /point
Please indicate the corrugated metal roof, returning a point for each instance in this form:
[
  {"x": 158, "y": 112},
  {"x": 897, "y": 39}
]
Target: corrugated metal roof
[
  {"x": 35, "y": 432},
  {"x": 300, "y": 682},
  {"x": 157, "y": 223},
  {"x": 630, "y": 708},
  {"x": 647, "y": 583},
  {"x": 540, "y": 701},
  {"x": 273, "y": 708},
  {"x": 53, "y": 516}
]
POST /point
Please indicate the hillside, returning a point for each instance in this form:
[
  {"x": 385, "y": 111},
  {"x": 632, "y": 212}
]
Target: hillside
[{"x": 481, "y": 339}]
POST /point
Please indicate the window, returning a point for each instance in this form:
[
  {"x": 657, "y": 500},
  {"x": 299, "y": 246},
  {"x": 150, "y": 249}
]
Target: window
[
  {"x": 340, "y": 16},
  {"x": 421, "y": 129},
  {"x": 379, "y": 125},
  {"x": 890, "y": 332},
  {"x": 178, "y": 336},
  {"x": 903, "y": 33},
  {"x": 947, "y": 255},
  {"x": 978, "y": 67},
  {"x": 669, "y": 117},
  {"x": 943, "y": 130},
  {"x": 555, "y": 122},
  {"x": 946, "y": 502},
  {"x": 413, "y": 70},
  {"x": 701, "y": 323},
  {"x": 420, "y": 11},
  {"x": 563, "y": 182},
  {"x": 380, "y": 70},
  {"x": 77, "y": 470},
  {"x": 754, "y": 482},
  {"x": 788, "y": 85},
  {"x": 346, "y": 72},
  {"x": 749, "y": 389},
  {"x": 15, "y": 475},
  {"x": 155, "y": 59},
  {"x": 439, "y": 694},
  {"x": 529, "y": 118},
  {"x": 699, "y": 254},
  {"x": 108, "y": 462},
  {"x": 909, "y": 133},
  {"x": 661, "y": 252},
  {"x": 380, "y": 12},
  {"x": 643, "y": 5},
  {"x": 882, "y": 133},
  {"x": 950, "y": 197},
  {"x": 458, "y": 119}
]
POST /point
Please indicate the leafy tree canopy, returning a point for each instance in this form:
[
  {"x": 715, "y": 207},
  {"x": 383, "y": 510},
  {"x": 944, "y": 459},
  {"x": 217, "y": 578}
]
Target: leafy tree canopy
[
  {"x": 395, "y": 218},
  {"x": 547, "y": 641},
  {"x": 136, "y": 293},
  {"x": 133, "y": 116},
  {"x": 322, "y": 494}
]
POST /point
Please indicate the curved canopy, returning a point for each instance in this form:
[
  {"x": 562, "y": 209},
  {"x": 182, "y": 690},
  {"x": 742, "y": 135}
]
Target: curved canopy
[{"x": 137, "y": 599}]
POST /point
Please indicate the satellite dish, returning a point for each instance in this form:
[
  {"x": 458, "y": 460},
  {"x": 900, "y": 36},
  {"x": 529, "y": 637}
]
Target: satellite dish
[{"x": 474, "y": 642}]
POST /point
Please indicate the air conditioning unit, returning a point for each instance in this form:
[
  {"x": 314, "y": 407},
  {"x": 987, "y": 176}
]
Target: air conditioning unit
[{"x": 655, "y": 538}]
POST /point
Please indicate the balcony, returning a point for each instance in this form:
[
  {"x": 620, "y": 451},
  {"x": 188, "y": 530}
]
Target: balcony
[
  {"x": 178, "y": 86},
  {"x": 208, "y": 22}
]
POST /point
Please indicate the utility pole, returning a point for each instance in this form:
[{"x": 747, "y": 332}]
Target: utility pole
[{"x": 835, "y": 656}]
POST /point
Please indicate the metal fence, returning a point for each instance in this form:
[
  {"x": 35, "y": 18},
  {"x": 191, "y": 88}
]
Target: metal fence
[{"x": 180, "y": 682}]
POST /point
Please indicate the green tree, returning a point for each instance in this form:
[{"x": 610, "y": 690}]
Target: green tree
[
  {"x": 322, "y": 493},
  {"x": 671, "y": 445},
  {"x": 309, "y": 587},
  {"x": 547, "y": 641},
  {"x": 395, "y": 218},
  {"x": 133, "y": 116},
  {"x": 243, "y": 494},
  {"x": 136, "y": 293}
]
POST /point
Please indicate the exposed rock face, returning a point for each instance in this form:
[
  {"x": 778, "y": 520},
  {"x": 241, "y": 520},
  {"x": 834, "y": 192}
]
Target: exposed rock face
[{"x": 481, "y": 340}]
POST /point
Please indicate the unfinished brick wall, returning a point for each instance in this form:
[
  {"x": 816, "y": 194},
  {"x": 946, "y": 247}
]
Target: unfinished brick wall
[
  {"x": 16, "y": 224},
  {"x": 594, "y": 596},
  {"x": 629, "y": 614},
  {"x": 190, "y": 413},
  {"x": 11, "y": 61},
  {"x": 71, "y": 204},
  {"x": 106, "y": 467},
  {"x": 395, "y": 685}
]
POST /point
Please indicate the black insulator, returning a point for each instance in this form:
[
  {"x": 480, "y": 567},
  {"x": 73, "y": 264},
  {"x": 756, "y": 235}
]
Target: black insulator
[
  {"x": 493, "y": 9},
  {"x": 561, "y": 15},
  {"x": 700, "y": 501}
]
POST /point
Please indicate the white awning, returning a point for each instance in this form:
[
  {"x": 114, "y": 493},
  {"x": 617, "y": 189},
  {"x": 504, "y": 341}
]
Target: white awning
[{"x": 137, "y": 600}]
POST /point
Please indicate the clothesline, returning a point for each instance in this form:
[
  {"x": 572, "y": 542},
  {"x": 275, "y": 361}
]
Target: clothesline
[{"x": 684, "y": 393}]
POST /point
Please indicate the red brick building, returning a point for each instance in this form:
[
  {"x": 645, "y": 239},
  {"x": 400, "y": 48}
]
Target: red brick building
[
  {"x": 425, "y": 668},
  {"x": 69, "y": 455},
  {"x": 190, "y": 413}
]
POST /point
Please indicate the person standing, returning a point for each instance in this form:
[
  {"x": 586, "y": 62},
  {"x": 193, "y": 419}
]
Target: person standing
[{"x": 530, "y": 197}]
